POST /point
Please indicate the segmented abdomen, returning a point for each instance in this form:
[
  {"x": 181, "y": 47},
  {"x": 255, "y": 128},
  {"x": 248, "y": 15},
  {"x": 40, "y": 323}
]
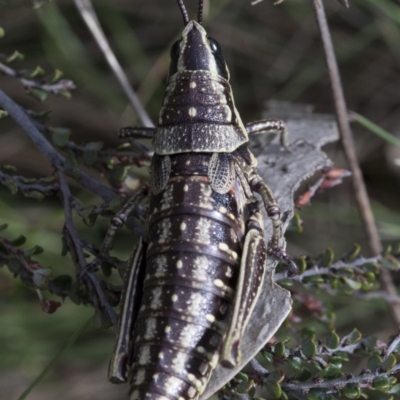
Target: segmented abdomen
[{"x": 194, "y": 246}]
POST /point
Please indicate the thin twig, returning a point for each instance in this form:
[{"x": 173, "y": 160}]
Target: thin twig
[
  {"x": 55, "y": 159},
  {"x": 88, "y": 14},
  {"x": 350, "y": 152},
  {"x": 55, "y": 88},
  {"x": 77, "y": 248},
  {"x": 44, "y": 185}
]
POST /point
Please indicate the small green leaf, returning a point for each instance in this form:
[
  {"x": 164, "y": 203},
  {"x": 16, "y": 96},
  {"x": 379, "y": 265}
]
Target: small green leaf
[
  {"x": 389, "y": 363},
  {"x": 295, "y": 363},
  {"x": 276, "y": 376},
  {"x": 89, "y": 157},
  {"x": 8, "y": 168},
  {"x": 351, "y": 391},
  {"x": 33, "y": 251},
  {"x": 332, "y": 371},
  {"x": 304, "y": 375},
  {"x": 350, "y": 285},
  {"x": 242, "y": 376},
  {"x": 381, "y": 383},
  {"x": 372, "y": 267},
  {"x": 60, "y": 137},
  {"x": 65, "y": 93},
  {"x": 327, "y": 258},
  {"x": 94, "y": 146},
  {"x": 301, "y": 264},
  {"x": 268, "y": 356},
  {"x": 353, "y": 337},
  {"x": 274, "y": 390},
  {"x": 11, "y": 185},
  {"x": 118, "y": 173},
  {"x": 374, "y": 361},
  {"x": 57, "y": 75},
  {"x": 16, "y": 56},
  {"x": 317, "y": 394},
  {"x": 333, "y": 340},
  {"x": 18, "y": 241},
  {"x": 61, "y": 283},
  {"x": 244, "y": 386},
  {"x": 38, "y": 94},
  {"x": 3, "y": 114},
  {"x": 309, "y": 347},
  {"x": 38, "y": 71},
  {"x": 34, "y": 194},
  {"x": 353, "y": 253},
  {"x": 279, "y": 350},
  {"x": 339, "y": 358}
]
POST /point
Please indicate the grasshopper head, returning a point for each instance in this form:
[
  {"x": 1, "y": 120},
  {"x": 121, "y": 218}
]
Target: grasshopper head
[{"x": 196, "y": 51}]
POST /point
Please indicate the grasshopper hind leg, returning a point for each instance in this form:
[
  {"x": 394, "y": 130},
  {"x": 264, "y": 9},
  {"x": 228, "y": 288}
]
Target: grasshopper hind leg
[{"x": 118, "y": 371}]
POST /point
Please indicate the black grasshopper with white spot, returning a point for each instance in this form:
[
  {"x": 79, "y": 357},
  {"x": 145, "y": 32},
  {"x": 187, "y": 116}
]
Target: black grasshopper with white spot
[{"x": 195, "y": 277}]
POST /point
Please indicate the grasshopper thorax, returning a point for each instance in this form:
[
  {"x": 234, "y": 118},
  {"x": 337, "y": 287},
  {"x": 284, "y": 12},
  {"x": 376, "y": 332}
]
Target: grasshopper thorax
[{"x": 198, "y": 113}]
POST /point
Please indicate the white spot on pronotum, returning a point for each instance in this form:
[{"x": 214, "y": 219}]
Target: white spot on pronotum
[
  {"x": 192, "y": 85},
  {"x": 210, "y": 318},
  {"x": 160, "y": 355},
  {"x": 167, "y": 329},
  {"x": 179, "y": 264},
  {"x": 155, "y": 376},
  {"x": 192, "y": 112},
  {"x": 182, "y": 226},
  {"x": 223, "y": 247},
  {"x": 185, "y": 188},
  {"x": 218, "y": 283},
  {"x": 174, "y": 297},
  {"x": 201, "y": 349}
]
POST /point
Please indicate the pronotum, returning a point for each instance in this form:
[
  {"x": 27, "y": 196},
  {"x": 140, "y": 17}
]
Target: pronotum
[{"x": 194, "y": 278}]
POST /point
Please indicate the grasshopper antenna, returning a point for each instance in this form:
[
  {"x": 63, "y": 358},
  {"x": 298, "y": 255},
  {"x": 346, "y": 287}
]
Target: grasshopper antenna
[
  {"x": 200, "y": 12},
  {"x": 184, "y": 12}
]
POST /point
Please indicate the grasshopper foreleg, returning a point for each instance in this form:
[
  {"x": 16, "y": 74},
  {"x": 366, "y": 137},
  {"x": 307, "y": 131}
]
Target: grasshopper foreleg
[
  {"x": 275, "y": 215},
  {"x": 132, "y": 132},
  {"x": 270, "y": 126}
]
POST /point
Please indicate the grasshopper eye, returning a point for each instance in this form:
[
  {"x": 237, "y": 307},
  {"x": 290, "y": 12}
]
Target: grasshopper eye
[
  {"x": 176, "y": 50},
  {"x": 215, "y": 47}
]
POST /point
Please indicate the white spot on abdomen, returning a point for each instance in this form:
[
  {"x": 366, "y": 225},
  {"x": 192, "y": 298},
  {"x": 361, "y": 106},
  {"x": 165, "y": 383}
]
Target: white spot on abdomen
[
  {"x": 203, "y": 227},
  {"x": 192, "y": 112}
]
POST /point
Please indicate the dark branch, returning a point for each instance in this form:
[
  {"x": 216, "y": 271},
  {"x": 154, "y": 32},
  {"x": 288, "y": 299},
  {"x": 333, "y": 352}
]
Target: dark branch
[{"x": 56, "y": 159}]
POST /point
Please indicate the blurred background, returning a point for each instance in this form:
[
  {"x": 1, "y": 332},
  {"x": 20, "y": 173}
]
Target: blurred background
[{"x": 273, "y": 52}]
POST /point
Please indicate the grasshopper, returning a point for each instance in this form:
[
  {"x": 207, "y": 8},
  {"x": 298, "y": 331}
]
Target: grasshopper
[{"x": 194, "y": 278}]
